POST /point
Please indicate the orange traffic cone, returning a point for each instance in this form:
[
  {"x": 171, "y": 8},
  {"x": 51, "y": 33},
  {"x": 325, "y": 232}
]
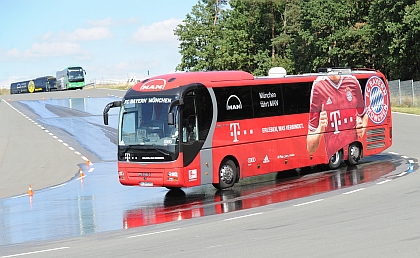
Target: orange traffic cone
[
  {"x": 81, "y": 175},
  {"x": 87, "y": 162},
  {"x": 30, "y": 192}
]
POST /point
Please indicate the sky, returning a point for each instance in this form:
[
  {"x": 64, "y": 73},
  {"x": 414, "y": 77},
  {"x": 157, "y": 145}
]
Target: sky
[{"x": 111, "y": 40}]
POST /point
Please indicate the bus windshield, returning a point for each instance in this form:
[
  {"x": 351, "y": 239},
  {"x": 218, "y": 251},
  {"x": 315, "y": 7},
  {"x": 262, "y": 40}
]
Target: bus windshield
[
  {"x": 76, "y": 75},
  {"x": 144, "y": 122}
]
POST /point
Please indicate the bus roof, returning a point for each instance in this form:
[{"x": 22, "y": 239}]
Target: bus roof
[{"x": 216, "y": 78}]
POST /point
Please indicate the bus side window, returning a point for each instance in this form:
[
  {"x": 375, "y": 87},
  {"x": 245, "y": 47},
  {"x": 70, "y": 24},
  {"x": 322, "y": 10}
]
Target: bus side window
[{"x": 189, "y": 120}]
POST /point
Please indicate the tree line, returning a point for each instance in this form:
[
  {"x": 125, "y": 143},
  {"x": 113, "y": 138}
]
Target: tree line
[{"x": 302, "y": 35}]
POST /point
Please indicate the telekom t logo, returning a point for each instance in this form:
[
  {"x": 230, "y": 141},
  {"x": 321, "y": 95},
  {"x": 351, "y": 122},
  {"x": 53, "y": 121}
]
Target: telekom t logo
[
  {"x": 335, "y": 116},
  {"x": 235, "y": 131}
]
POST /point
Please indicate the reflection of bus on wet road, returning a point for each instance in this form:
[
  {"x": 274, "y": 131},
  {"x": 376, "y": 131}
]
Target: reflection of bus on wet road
[
  {"x": 180, "y": 206},
  {"x": 72, "y": 77},
  {"x": 45, "y": 83},
  {"x": 189, "y": 129}
]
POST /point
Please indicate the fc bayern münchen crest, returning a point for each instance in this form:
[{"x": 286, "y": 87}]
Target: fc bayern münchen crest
[
  {"x": 376, "y": 100},
  {"x": 348, "y": 94}
]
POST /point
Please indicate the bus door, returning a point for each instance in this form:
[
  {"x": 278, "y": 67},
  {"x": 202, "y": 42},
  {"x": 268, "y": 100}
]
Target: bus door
[{"x": 190, "y": 144}]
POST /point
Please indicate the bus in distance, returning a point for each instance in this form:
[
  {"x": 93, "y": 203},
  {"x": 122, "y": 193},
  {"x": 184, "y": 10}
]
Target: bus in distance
[
  {"x": 72, "y": 77},
  {"x": 45, "y": 83},
  {"x": 194, "y": 128}
]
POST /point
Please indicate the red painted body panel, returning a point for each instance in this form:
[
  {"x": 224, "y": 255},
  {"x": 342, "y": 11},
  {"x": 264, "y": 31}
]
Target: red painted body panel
[{"x": 260, "y": 145}]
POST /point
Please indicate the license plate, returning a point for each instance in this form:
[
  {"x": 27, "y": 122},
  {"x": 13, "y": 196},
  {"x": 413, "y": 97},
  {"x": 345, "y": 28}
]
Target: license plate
[{"x": 146, "y": 184}]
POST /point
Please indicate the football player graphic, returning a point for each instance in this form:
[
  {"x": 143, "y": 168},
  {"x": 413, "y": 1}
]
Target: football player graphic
[{"x": 337, "y": 113}]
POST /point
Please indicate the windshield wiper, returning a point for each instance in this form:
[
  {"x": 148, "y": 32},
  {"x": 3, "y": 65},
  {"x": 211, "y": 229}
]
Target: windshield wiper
[{"x": 166, "y": 153}]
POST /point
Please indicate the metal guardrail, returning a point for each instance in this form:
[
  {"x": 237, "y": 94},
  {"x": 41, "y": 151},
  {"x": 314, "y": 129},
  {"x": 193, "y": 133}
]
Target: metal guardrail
[{"x": 405, "y": 93}]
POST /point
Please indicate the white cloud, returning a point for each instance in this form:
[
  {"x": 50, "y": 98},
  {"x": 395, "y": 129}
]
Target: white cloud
[
  {"x": 49, "y": 49},
  {"x": 162, "y": 31},
  {"x": 80, "y": 34}
]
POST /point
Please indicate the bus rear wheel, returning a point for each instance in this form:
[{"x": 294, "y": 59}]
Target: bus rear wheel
[
  {"x": 355, "y": 154},
  {"x": 228, "y": 173},
  {"x": 335, "y": 160}
]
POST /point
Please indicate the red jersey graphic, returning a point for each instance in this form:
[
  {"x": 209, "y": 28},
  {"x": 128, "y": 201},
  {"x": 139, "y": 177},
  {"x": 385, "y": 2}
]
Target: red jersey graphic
[{"x": 341, "y": 97}]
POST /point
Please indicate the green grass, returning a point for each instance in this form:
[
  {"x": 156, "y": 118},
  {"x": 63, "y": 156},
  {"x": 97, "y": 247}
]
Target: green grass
[
  {"x": 4, "y": 91},
  {"x": 408, "y": 110}
]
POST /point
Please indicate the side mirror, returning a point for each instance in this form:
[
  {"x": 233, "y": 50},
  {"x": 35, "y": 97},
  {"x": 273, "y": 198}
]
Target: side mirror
[
  {"x": 171, "y": 118},
  {"x": 108, "y": 107}
]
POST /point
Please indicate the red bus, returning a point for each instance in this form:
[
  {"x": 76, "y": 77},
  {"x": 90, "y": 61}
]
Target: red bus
[{"x": 189, "y": 129}]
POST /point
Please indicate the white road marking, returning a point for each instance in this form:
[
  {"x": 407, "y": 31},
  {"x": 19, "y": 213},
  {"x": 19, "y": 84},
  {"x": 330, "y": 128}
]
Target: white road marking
[
  {"x": 355, "y": 191},
  {"x": 240, "y": 217},
  {"x": 36, "y": 252},
  {"x": 14, "y": 197},
  {"x": 154, "y": 233},
  {"x": 301, "y": 204},
  {"x": 43, "y": 128},
  {"x": 391, "y": 152},
  {"x": 57, "y": 186},
  {"x": 383, "y": 182}
]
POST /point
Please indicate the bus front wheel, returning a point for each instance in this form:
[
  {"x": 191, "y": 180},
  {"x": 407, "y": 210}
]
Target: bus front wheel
[{"x": 227, "y": 174}]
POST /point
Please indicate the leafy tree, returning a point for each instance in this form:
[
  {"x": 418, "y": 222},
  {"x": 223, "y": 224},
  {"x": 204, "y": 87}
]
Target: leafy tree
[
  {"x": 386, "y": 26},
  {"x": 199, "y": 37},
  {"x": 409, "y": 65},
  {"x": 301, "y": 35}
]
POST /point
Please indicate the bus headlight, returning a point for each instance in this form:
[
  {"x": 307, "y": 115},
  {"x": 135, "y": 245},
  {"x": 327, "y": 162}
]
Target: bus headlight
[{"x": 172, "y": 174}]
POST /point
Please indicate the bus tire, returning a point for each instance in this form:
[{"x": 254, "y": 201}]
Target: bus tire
[
  {"x": 355, "y": 153},
  {"x": 335, "y": 160},
  {"x": 228, "y": 173}
]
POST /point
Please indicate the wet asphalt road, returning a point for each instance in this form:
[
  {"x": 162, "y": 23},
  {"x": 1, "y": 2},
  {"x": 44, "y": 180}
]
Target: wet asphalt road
[{"x": 97, "y": 203}]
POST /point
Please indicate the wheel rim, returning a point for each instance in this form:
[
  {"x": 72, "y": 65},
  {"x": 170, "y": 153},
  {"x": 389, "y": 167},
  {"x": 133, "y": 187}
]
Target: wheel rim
[
  {"x": 226, "y": 174},
  {"x": 354, "y": 153}
]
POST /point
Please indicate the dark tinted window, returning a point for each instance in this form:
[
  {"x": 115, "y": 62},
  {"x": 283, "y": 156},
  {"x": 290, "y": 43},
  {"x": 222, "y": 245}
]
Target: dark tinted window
[
  {"x": 296, "y": 97},
  {"x": 362, "y": 83},
  {"x": 205, "y": 112},
  {"x": 267, "y": 100},
  {"x": 233, "y": 103}
]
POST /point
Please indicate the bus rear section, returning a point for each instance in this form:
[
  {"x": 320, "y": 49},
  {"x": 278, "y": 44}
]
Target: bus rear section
[
  {"x": 190, "y": 129},
  {"x": 41, "y": 84}
]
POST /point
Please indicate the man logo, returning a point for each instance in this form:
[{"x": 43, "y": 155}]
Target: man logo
[
  {"x": 376, "y": 100},
  {"x": 233, "y": 103},
  {"x": 156, "y": 84}
]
